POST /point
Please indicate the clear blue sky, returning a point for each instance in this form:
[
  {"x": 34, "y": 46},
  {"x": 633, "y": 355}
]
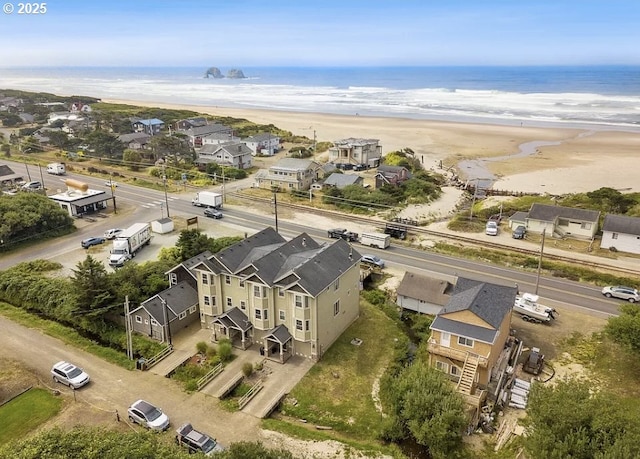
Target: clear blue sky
[{"x": 248, "y": 33}]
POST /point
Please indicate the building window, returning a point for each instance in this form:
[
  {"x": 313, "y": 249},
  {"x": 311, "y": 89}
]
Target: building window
[
  {"x": 282, "y": 315},
  {"x": 298, "y": 301},
  {"x": 462, "y": 341},
  {"x": 265, "y": 314},
  {"x": 336, "y": 284},
  {"x": 146, "y": 321},
  {"x": 182, "y": 315},
  {"x": 229, "y": 302},
  {"x": 213, "y": 301},
  {"x": 281, "y": 292},
  {"x": 154, "y": 322},
  {"x": 241, "y": 283},
  {"x": 192, "y": 309},
  {"x": 173, "y": 278},
  {"x": 614, "y": 235},
  {"x": 299, "y": 325},
  {"x": 227, "y": 280},
  {"x": 258, "y": 314},
  {"x": 455, "y": 371},
  {"x": 306, "y": 325},
  {"x": 442, "y": 366},
  {"x": 585, "y": 226},
  {"x": 207, "y": 300},
  {"x": 336, "y": 308},
  {"x": 138, "y": 319},
  {"x": 256, "y": 291},
  {"x": 243, "y": 305},
  {"x": 205, "y": 278}
]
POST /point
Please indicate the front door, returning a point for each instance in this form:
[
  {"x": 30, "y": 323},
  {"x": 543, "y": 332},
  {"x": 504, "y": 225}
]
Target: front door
[{"x": 445, "y": 339}]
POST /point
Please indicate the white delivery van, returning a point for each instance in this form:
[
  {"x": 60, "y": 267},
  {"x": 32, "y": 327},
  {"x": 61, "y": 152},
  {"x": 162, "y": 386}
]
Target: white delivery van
[{"x": 379, "y": 240}]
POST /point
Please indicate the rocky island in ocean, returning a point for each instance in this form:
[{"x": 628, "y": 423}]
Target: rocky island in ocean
[{"x": 214, "y": 72}]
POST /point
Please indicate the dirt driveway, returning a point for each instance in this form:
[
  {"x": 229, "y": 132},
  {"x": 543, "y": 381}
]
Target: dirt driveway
[{"x": 113, "y": 388}]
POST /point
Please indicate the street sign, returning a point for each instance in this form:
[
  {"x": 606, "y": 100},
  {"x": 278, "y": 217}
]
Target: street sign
[{"x": 192, "y": 221}]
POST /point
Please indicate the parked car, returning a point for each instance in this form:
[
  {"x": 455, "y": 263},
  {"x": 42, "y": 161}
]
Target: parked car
[
  {"x": 196, "y": 441},
  {"x": 70, "y": 375},
  {"x": 32, "y": 186},
  {"x": 342, "y": 233},
  {"x": 492, "y": 228},
  {"x": 519, "y": 232},
  {"x": 91, "y": 241},
  {"x": 112, "y": 233},
  {"x": 147, "y": 415},
  {"x": 111, "y": 183},
  {"x": 372, "y": 260},
  {"x": 212, "y": 213},
  {"x": 624, "y": 293}
]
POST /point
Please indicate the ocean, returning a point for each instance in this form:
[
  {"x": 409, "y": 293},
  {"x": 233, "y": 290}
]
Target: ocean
[{"x": 605, "y": 96}]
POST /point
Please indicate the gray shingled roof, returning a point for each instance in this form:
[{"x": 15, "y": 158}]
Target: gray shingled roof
[
  {"x": 353, "y": 142},
  {"x": 293, "y": 164},
  {"x": 547, "y": 213},
  {"x": 284, "y": 258},
  {"x": 204, "y": 130},
  {"x": 261, "y": 137},
  {"x": 280, "y": 334},
  {"x": 490, "y": 302},
  {"x": 519, "y": 216},
  {"x": 457, "y": 328},
  {"x": 425, "y": 288},
  {"x": 326, "y": 266},
  {"x": 234, "y": 318},
  {"x": 178, "y": 298},
  {"x": 191, "y": 262},
  {"x": 239, "y": 255},
  {"x": 342, "y": 180},
  {"x": 621, "y": 224},
  {"x": 134, "y": 136}
]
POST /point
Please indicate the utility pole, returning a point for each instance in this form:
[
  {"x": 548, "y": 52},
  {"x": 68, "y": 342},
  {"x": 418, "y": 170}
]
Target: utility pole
[
  {"x": 41, "y": 177},
  {"x": 128, "y": 327},
  {"x": 113, "y": 196},
  {"x": 544, "y": 232},
  {"x": 275, "y": 207},
  {"x": 167, "y": 328},
  {"x": 164, "y": 181}
]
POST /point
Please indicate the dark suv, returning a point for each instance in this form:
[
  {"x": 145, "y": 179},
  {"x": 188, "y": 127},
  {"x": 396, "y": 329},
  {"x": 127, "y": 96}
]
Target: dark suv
[
  {"x": 341, "y": 233},
  {"x": 519, "y": 232},
  {"x": 196, "y": 441}
]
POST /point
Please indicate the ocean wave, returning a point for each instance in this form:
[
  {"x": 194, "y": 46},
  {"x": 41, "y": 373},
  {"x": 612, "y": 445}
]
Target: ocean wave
[{"x": 419, "y": 102}]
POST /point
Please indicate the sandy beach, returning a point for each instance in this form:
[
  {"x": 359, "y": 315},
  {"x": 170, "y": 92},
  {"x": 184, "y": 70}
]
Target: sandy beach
[{"x": 569, "y": 160}]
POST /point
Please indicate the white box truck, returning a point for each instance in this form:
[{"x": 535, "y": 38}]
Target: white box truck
[
  {"x": 379, "y": 240},
  {"x": 128, "y": 243},
  {"x": 56, "y": 169},
  {"x": 207, "y": 199}
]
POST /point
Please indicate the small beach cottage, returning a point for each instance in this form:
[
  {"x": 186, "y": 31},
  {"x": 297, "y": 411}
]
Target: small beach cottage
[{"x": 621, "y": 233}]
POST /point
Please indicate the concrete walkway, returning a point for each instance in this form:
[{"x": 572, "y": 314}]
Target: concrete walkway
[{"x": 184, "y": 347}]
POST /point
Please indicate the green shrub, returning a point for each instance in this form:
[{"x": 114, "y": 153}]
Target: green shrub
[
  {"x": 225, "y": 350},
  {"x": 202, "y": 347},
  {"x": 247, "y": 369},
  {"x": 212, "y": 352}
]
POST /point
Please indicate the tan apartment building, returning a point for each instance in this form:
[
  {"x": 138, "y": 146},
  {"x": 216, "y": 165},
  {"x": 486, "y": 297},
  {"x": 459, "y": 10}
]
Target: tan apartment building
[
  {"x": 289, "y": 297},
  {"x": 356, "y": 151},
  {"x": 288, "y": 174}
]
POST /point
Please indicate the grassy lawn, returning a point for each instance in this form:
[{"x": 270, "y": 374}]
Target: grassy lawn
[
  {"x": 337, "y": 392},
  {"x": 65, "y": 334},
  {"x": 23, "y": 414}
]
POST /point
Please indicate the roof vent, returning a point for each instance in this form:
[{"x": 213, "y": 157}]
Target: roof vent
[{"x": 304, "y": 242}]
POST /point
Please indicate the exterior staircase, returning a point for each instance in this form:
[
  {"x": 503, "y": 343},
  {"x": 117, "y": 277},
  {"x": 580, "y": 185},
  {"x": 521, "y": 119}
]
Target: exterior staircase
[{"x": 465, "y": 384}]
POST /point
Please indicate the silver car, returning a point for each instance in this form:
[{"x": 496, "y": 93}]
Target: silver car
[
  {"x": 624, "y": 293},
  {"x": 147, "y": 415},
  {"x": 70, "y": 375}
]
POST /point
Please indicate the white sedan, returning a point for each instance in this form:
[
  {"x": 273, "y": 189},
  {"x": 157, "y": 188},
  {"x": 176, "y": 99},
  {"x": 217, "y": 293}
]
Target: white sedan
[{"x": 111, "y": 183}]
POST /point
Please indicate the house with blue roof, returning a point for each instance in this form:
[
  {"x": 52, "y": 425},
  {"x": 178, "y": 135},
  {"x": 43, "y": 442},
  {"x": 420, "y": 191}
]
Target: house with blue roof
[
  {"x": 470, "y": 338},
  {"x": 151, "y": 126}
]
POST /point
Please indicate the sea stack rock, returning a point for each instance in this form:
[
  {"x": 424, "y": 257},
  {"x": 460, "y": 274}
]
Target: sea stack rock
[
  {"x": 213, "y": 72},
  {"x": 235, "y": 73}
]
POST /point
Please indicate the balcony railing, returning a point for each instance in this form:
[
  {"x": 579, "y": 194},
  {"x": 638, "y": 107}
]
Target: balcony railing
[{"x": 455, "y": 354}]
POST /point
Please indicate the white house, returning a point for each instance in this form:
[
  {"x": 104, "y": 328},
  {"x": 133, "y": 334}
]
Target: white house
[
  {"x": 263, "y": 144},
  {"x": 559, "y": 221},
  {"x": 621, "y": 233}
]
